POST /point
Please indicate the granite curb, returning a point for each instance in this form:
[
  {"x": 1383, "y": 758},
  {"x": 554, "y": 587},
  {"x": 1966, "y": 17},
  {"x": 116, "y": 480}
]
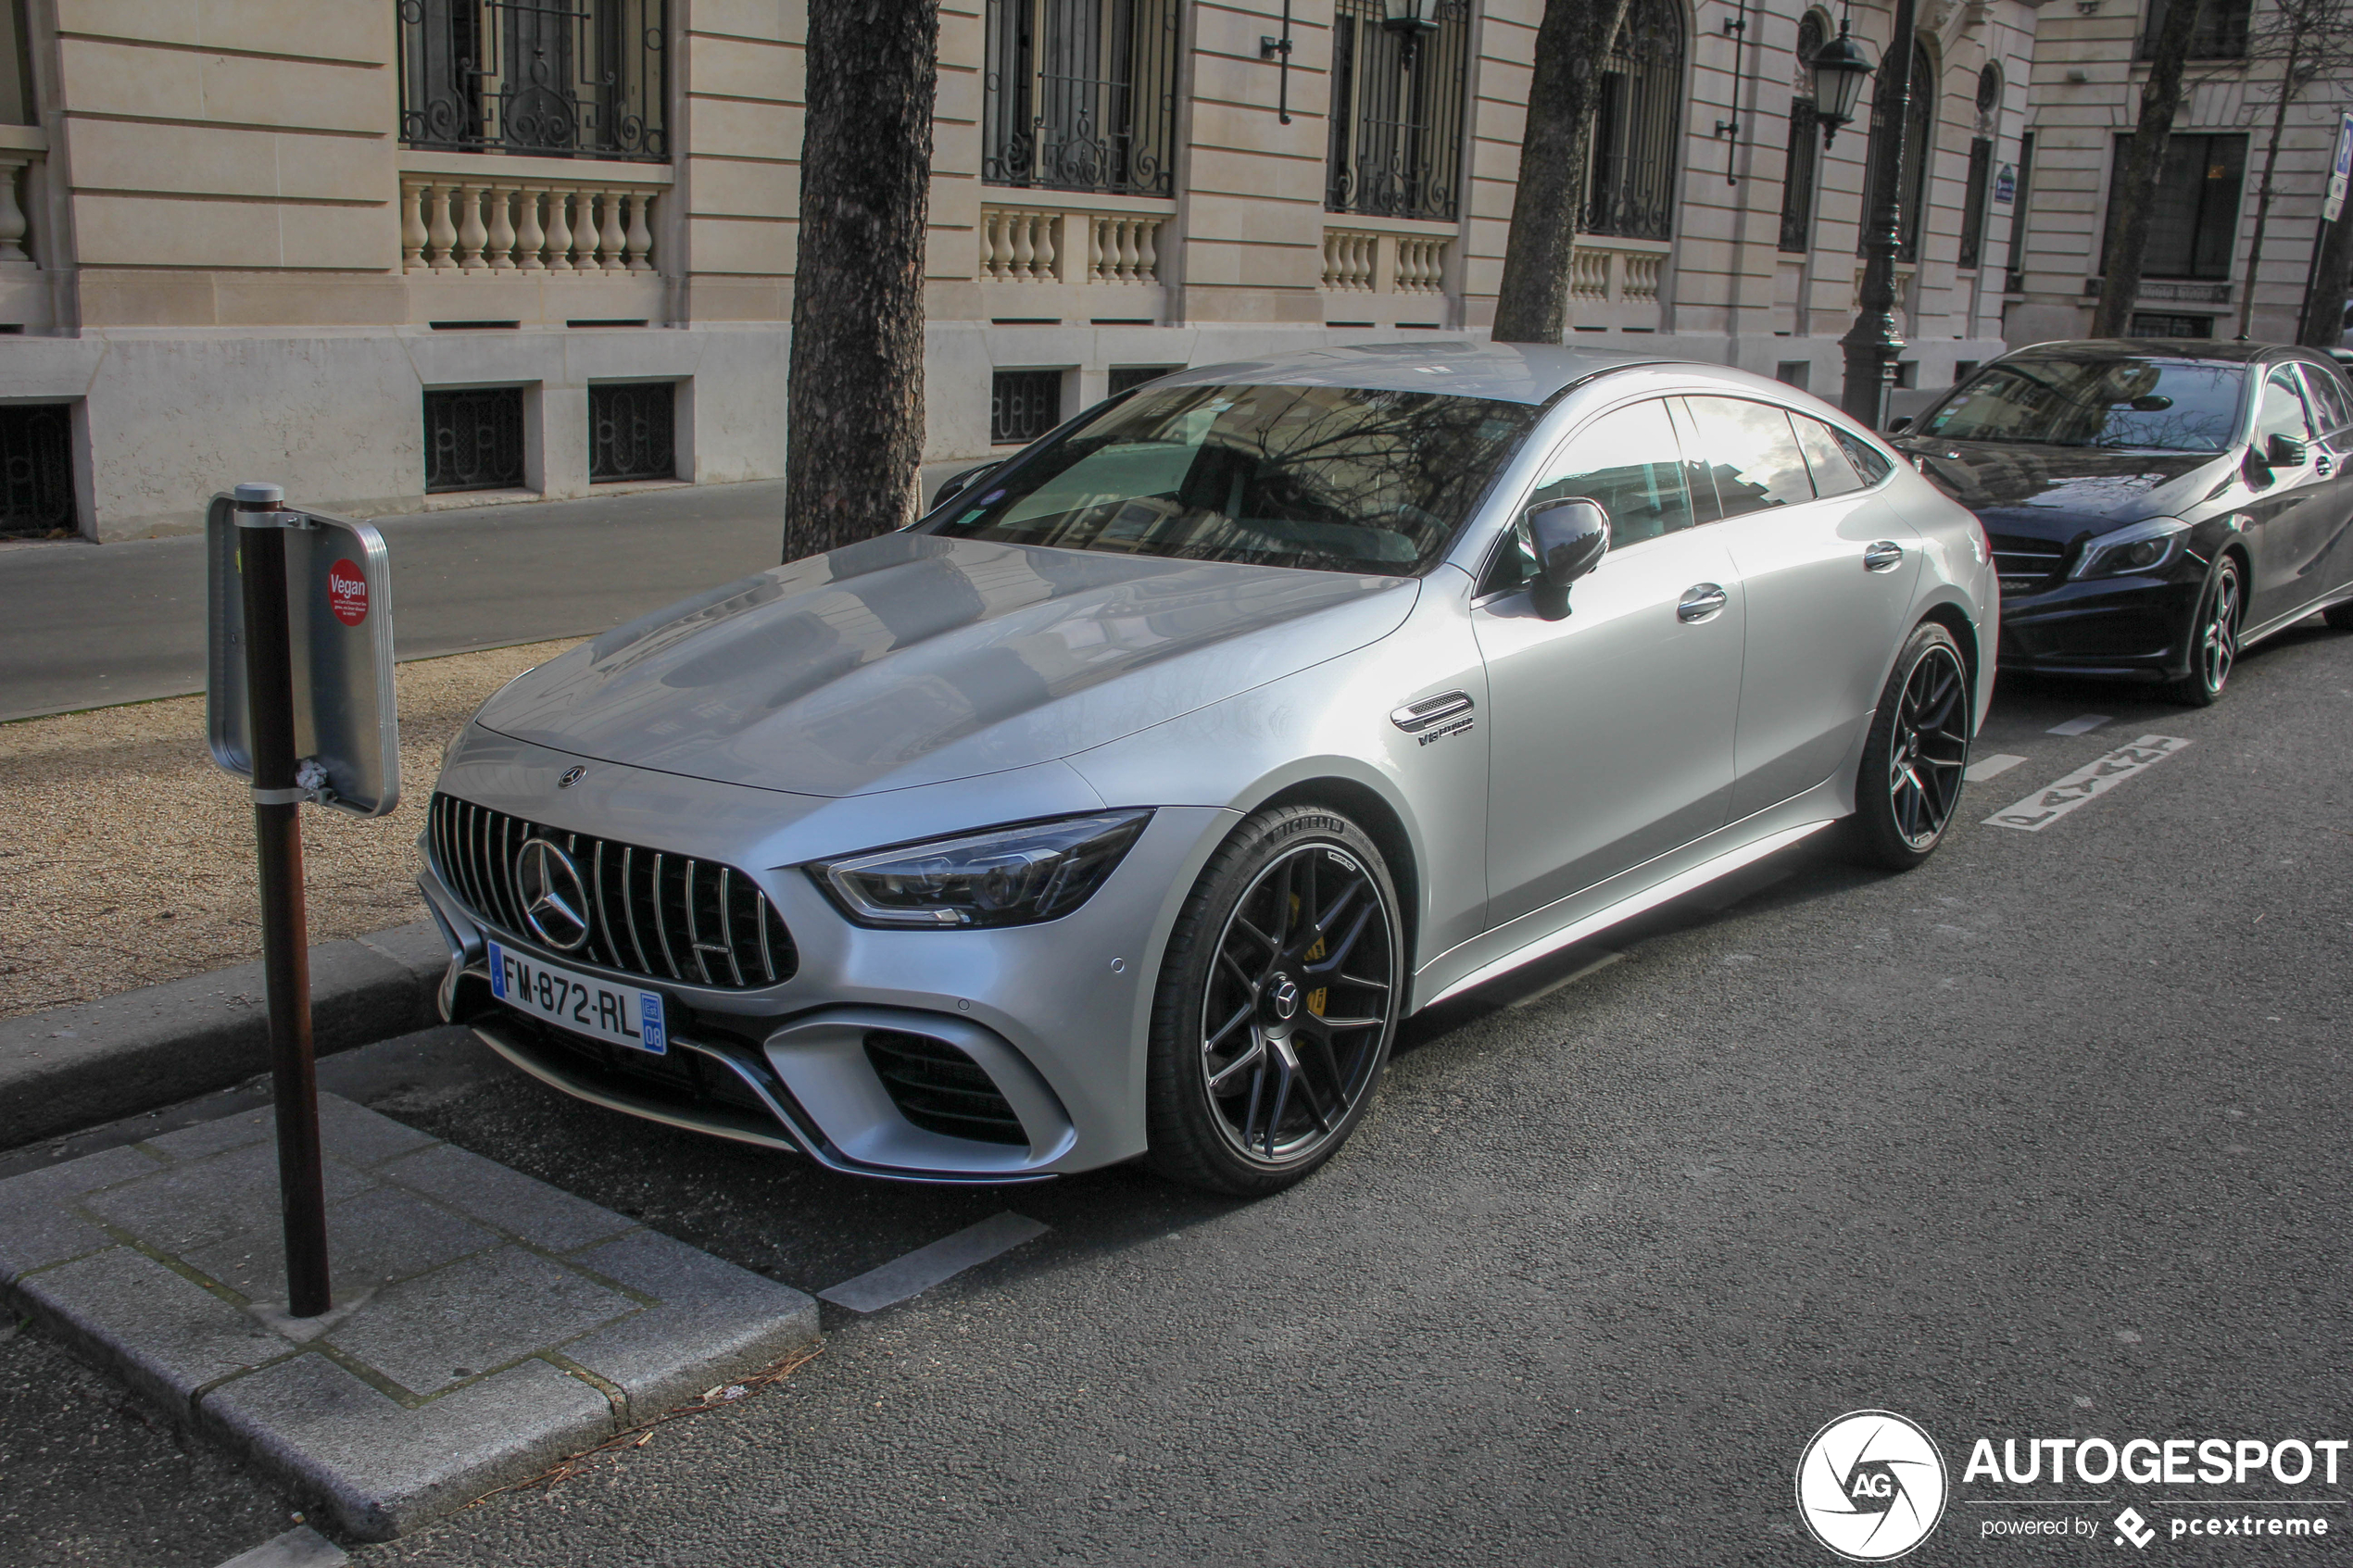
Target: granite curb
[{"x": 71, "y": 1067}]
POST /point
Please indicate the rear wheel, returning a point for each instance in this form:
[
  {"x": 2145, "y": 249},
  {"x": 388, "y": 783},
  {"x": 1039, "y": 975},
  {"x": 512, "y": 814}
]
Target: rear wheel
[
  {"x": 2214, "y": 637},
  {"x": 1278, "y": 997},
  {"x": 1914, "y": 755}
]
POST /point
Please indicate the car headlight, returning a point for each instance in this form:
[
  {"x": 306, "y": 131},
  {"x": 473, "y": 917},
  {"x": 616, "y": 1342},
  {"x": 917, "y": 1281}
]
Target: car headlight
[
  {"x": 2142, "y": 547},
  {"x": 1015, "y": 875}
]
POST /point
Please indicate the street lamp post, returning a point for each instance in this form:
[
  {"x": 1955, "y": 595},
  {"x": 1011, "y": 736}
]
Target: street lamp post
[{"x": 1872, "y": 344}]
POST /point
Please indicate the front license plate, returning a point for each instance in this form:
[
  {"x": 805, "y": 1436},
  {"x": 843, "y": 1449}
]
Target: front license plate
[{"x": 582, "y": 1003}]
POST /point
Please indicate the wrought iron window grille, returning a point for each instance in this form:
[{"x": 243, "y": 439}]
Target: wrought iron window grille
[
  {"x": 1081, "y": 95},
  {"x": 473, "y": 439},
  {"x": 1396, "y": 148},
  {"x": 632, "y": 431},
  {"x": 1023, "y": 405},
  {"x": 2219, "y": 33},
  {"x": 539, "y": 78},
  {"x": 1638, "y": 139},
  {"x": 36, "y": 471},
  {"x": 1800, "y": 171},
  {"x": 1980, "y": 184}
]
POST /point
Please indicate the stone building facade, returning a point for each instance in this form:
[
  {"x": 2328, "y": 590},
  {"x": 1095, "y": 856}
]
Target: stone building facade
[{"x": 402, "y": 254}]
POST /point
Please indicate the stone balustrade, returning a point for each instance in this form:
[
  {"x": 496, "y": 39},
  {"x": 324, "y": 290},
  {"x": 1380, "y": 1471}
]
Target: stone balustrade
[
  {"x": 15, "y": 229},
  {"x": 1616, "y": 283},
  {"x": 1021, "y": 245},
  {"x": 1367, "y": 261},
  {"x": 551, "y": 228}
]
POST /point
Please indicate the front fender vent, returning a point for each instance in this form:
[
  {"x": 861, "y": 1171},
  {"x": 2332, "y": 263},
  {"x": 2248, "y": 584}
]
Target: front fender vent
[{"x": 940, "y": 1089}]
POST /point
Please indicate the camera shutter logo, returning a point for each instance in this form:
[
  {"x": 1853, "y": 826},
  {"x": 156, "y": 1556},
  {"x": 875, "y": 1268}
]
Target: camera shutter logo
[
  {"x": 1871, "y": 1485},
  {"x": 555, "y": 901}
]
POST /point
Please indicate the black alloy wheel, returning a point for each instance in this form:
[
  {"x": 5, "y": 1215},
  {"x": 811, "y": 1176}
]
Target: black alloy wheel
[
  {"x": 2214, "y": 636},
  {"x": 1278, "y": 999},
  {"x": 1914, "y": 754}
]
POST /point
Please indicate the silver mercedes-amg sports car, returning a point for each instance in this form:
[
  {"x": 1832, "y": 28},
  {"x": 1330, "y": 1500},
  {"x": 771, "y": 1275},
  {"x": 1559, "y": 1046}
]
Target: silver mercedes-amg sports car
[{"x": 1123, "y": 804}]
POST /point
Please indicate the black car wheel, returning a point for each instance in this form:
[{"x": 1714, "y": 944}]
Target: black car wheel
[
  {"x": 2214, "y": 636},
  {"x": 1278, "y": 997},
  {"x": 1914, "y": 755}
]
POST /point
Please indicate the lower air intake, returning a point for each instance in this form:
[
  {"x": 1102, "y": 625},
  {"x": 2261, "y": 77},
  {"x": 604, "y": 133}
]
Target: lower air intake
[{"x": 940, "y": 1089}]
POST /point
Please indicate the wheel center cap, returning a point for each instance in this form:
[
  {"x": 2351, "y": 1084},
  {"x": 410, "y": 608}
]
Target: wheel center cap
[{"x": 1283, "y": 995}]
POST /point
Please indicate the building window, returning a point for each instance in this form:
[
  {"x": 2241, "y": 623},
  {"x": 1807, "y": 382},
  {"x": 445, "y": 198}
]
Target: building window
[
  {"x": 1081, "y": 95},
  {"x": 1980, "y": 176},
  {"x": 2159, "y": 323},
  {"x": 1396, "y": 148},
  {"x": 2194, "y": 221},
  {"x": 632, "y": 430},
  {"x": 36, "y": 471},
  {"x": 543, "y": 78},
  {"x": 2020, "y": 202},
  {"x": 1023, "y": 405},
  {"x": 473, "y": 439},
  {"x": 1126, "y": 378},
  {"x": 1805, "y": 144},
  {"x": 2219, "y": 33},
  {"x": 1919, "y": 134},
  {"x": 1637, "y": 128},
  {"x": 1794, "y": 373}
]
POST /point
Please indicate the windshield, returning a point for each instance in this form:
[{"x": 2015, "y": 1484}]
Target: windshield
[
  {"x": 2111, "y": 401},
  {"x": 1333, "y": 479}
]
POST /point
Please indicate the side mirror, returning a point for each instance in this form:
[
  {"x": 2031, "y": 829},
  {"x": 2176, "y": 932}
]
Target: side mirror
[
  {"x": 2285, "y": 452},
  {"x": 1569, "y": 539},
  {"x": 1899, "y": 424},
  {"x": 956, "y": 483}
]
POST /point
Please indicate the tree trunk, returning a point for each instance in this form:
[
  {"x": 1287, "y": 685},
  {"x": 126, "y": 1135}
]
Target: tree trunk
[
  {"x": 2324, "y": 325},
  {"x": 854, "y": 421},
  {"x": 1531, "y": 306},
  {"x": 2263, "y": 192},
  {"x": 2136, "y": 182}
]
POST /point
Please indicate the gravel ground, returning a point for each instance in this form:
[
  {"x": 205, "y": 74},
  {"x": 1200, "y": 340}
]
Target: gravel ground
[{"x": 129, "y": 855}]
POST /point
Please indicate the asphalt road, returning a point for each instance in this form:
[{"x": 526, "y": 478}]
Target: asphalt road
[{"x": 2043, "y": 1139}]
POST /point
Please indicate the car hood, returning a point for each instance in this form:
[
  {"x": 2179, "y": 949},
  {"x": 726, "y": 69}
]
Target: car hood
[
  {"x": 912, "y": 660},
  {"x": 2059, "y": 492}
]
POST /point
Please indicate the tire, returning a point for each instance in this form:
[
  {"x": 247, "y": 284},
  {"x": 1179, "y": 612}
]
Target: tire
[
  {"x": 2214, "y": 633},
  {"x": 1914, "y": 755},
  {"x": 1251, "y": 1081}
]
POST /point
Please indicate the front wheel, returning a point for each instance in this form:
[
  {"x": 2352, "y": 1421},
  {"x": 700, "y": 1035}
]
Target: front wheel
[
  {"x": 1278, "y": 999},
  {"x": 2214, "y": 637},
  {"x": 1914, "y": 755}
]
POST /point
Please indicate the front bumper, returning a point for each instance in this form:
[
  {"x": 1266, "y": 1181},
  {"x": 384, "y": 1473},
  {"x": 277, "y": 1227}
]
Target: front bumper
[
  {"x": 1053, "y": 1016},
  {"x": 2128, "y": 627}
]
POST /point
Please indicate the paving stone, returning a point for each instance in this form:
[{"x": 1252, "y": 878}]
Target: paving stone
[
  {"x": 360, "y": 1138},
  {"x": 483, "y": 1312},
  {"x": 529, "y": 1211},
  {"x": 375, "y": 1469},
  {"x": 216, "y": 1136},
  {"x": 381, "y": 1235},
  {"x": 203, "y": 1201},
  {"x": 35, "y": 1228},
  {"x": 63, "y": 1184},
  {"x": 166, "y": 1336},
  {"x": 716, "y": 1322}
]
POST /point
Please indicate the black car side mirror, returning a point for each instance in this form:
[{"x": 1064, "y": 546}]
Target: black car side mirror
[
  {"x": 1569, "y": 539},
  {"x": 957, "y": 484},
  {"x": 2285, "y": 452},
  {"x": 1899, "y": 424}
]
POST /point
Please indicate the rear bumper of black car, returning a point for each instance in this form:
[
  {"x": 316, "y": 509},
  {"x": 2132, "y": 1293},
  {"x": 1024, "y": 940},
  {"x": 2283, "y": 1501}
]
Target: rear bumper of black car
[{"x": 2128, "y": 627}]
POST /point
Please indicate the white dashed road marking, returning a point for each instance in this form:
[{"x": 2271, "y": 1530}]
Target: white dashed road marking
[
  {"x": 927, "y": 1266},
  {"x": 2047, "y": 804},
  {"x": 1986, "y": 767},
  {"x": 301, "y": 1547},
  {"x": 2083, "y": 726}
]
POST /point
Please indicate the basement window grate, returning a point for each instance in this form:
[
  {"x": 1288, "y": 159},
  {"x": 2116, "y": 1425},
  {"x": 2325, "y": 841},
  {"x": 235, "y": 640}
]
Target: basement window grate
[
  {"x": 473, "y": 439},
  {"x": 1023, "y": 405},
  {"x": 36, "y": 471},
  {"x": 632, "y": 430}
]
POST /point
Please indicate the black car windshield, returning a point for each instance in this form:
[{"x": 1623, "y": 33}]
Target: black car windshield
[
  {"x": 1334, "y": 479},
  {"x": 2144, "y": 403}
]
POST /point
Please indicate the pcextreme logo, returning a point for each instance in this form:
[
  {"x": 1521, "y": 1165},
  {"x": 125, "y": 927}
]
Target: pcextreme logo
[{"x": 1871, "y": 1485}]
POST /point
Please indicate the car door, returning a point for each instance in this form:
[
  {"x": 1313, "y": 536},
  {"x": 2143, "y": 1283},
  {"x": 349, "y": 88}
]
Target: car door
[
  {"x": 2324, "y": 541},
  {"x": 1827, "y": 570},
  {"x": 1611, "y": 730},
  {"x": 2288, "y": 514}
]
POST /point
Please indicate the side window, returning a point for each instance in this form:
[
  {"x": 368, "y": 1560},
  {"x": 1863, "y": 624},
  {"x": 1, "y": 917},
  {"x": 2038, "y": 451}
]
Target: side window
[
  {"x": 1869, "y": 461},
  {"x": 1753, "y": 453},
  {"x": 1628, "y": 461},
  {"x": 2282, "y": 411},
  {"x": 1834, "y": 472},
  {"x": 2332, "y": 408}
]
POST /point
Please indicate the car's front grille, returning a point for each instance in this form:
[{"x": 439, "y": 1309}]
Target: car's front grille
[
  {"x": 940, "y": 1089},
  {"x": 2025, "y": 563},
  {"x": 665, "y": 916}
]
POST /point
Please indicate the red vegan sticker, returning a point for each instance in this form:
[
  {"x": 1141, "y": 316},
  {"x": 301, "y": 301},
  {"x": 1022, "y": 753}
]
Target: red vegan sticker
[{"x": 348, "y": 593}]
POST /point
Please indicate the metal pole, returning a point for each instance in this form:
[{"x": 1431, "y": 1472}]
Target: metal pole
[
  {"x": 285, "y": 951},
  {"x": 1873, "y": 344}
]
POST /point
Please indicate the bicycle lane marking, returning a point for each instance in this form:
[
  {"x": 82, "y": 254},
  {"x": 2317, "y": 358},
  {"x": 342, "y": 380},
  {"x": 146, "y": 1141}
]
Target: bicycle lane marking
[{"x": 2094, "y": 779}]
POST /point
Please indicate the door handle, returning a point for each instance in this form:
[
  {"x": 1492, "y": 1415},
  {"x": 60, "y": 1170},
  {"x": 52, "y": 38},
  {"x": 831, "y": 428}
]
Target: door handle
[
  {"x": 1883, "y": 556},
  {"x": 2323, "y": 463},
  {"x": 1700, "y": 601}
]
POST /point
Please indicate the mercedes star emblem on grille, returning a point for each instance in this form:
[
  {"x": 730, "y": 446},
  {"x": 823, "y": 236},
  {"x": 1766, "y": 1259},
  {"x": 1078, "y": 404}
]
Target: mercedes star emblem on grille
[
  {"x": 555, "y": 901},
  {"x": 572, "y": 775}
]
